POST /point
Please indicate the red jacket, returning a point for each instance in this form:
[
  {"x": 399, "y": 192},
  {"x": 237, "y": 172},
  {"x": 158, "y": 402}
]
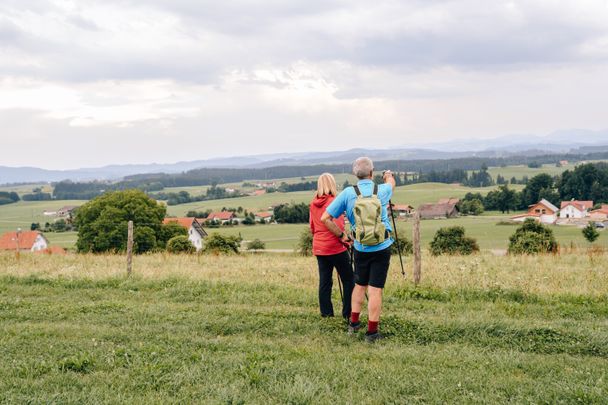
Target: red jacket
[{"x": 324, "y": 243}]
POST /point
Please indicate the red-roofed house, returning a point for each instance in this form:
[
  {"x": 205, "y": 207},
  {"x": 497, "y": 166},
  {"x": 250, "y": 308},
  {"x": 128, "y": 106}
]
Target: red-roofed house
[
  {"x": 222, "y": 216},
  {"x": 196, "y": 233},
  {"x": 26, "y": 241},
  {"x": 575, "y": 209},
  {"x": 263, "y": 216},
  {"x": 600, "y": 214},
  {"x": 403, "y": 210},
  {"x": 543, "y": 211}
]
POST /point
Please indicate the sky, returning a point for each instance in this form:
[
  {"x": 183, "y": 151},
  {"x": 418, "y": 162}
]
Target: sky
[{"x": 88, "y": 83}]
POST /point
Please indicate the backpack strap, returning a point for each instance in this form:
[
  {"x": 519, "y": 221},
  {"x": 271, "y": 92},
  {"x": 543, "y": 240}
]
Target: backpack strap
[
  {"x": 375, "y": 189},
  {"x": 357, "y": 190}
]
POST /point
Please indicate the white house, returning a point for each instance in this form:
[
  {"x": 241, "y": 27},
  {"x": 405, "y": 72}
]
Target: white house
[
  {"x": 263, "y": 216},
  {"x": 27, "y": 241},
  {"x": 196, "y": 233},
  {"x": 575, "y": 209},
  {"x": 543, "y": 211}
]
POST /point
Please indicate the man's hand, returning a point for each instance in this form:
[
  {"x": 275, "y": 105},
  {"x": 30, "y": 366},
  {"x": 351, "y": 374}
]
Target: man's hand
[{"x": 389, "y": 178}]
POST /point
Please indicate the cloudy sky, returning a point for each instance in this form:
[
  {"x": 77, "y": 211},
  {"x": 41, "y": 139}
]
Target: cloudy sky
[{"x": 87, "y": 83}]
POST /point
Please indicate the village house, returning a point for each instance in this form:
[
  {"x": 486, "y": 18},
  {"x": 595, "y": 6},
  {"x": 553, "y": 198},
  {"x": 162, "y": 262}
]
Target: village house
[
  {"x": 445, "y": 208},
  {"x": 403, "y": 210},
  {"x": 575, "y": 209},
  {"x": 223, "y": 217},
  {"x": 543, "y": 212},
  {"x": 23, "y": 241},
  {"x": 600, "y": 214},
  {"x": 196, "y": 233},
  {"x": 263, "y": 216},
  {"x": 66, "y": 211}
]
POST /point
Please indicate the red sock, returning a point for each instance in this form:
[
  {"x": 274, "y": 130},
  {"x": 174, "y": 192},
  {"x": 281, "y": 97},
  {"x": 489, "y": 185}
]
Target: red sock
[
  {"x": 354, "y": 317},
  {"x": 372, "y": 327}
]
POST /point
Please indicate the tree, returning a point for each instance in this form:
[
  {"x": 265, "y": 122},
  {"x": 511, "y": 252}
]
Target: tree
[
  {"x": 169, "y": 231},
  {"x": 539, "y": 185},
  {"x": 506, "y": 199},
  {"x": 452, "y": 241},
  {"x": 35, "y": 226},
  {"x": 590, "y": 233},
  {"x": 222, "y": 244},
  {"x": 256, "y": 244},
  {"x": 532, "y": 238},
  {"x": 102, "y": 222},
  {"x": 180, "y": 244}
]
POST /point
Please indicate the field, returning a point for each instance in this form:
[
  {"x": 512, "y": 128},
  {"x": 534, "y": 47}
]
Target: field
[{"x": 246, "y": 330}]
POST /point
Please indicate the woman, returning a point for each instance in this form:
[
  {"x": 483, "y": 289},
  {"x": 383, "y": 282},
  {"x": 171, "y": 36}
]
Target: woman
[{"x": 329, "y": 250}]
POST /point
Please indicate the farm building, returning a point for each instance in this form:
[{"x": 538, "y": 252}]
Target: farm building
[
  {"x": 263, "y": 216},
  {"x": 26, "y": 241},
  {"x": 403, "y": 210},
  {"x": 575, "y": 209},
  {"x": 196, "y": 233},
  {"x": 221, "y": 216},
  {"x": 599, "y": 214},
  {"x": 445, "y": 208},
  {"x": 543, "y": 211},
  {"x": 66, "y": 211}
]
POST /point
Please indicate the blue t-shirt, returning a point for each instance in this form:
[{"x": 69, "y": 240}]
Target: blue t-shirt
[{"x": 345, "y": 202}]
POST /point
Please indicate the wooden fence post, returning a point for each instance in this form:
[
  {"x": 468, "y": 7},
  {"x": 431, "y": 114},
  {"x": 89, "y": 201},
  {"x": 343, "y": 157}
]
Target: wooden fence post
[
  {"x": 416, "y": 242},
  {"x": 129, "y": 248}
]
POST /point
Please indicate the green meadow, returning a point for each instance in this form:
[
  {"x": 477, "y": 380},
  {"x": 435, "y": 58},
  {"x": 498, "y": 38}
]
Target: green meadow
[{"x": 245, "y": 329}]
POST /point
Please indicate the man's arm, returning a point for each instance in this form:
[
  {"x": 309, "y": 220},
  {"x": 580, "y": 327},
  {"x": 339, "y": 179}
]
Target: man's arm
[{"x": 328, "y": 221}]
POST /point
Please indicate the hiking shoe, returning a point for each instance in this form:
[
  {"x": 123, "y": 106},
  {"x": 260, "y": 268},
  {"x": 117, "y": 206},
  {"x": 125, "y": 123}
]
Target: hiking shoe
[
  {"x": 373, "y": 337},
  {"x": 353, "y": 327}
]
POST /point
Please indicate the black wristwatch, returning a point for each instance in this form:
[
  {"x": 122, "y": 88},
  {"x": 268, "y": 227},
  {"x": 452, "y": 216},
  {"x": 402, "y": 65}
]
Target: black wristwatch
[{"x": 341, "y": 235}]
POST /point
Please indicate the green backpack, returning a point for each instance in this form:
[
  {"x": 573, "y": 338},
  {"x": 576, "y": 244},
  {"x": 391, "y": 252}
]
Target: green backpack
[{"x": 369, "y": 229}]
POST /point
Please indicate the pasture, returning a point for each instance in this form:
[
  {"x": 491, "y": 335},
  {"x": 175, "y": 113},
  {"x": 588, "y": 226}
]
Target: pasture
[{"x": 245, "y": 329}]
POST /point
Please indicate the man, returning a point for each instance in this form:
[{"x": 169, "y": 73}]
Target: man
[{"x": 365, "y": 206}]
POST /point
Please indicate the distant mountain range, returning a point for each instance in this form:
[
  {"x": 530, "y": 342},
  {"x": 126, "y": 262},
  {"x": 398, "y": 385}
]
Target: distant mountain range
[{"x": 567, "y": 141}]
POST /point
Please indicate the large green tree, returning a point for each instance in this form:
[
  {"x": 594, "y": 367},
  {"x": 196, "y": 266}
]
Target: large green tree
[
  {"x": 539, "y": 187},
  {"x": 102, "y": 222}
]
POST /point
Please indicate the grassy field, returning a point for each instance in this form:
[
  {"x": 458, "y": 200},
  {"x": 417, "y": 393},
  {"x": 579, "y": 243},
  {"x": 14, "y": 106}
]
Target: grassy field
[
  {"x": 24, "y": 213},
  {"x": 246, "y": 329}
]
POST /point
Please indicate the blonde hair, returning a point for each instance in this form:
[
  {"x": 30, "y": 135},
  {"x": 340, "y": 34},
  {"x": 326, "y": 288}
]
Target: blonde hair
[{"x": 326, "y": 185}]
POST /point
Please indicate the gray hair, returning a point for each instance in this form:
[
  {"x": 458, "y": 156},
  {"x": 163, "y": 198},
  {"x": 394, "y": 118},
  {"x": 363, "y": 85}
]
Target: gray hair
[{"x": 362, "y": 167}]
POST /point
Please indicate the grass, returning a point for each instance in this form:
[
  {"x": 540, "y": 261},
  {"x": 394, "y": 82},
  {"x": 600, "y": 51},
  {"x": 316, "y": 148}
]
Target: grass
[
  {"x": 246, "y": 329},
  {"x": 23, "y": 213}
]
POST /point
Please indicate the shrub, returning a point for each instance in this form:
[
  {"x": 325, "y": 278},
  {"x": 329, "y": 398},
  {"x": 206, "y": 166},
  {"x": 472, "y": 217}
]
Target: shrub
[
  {"x": 180, "y": 244},
  {"x": 248, "y": 221},
  {"x": 590, "y": 233},
  {"x": 532, "y": 238},
  {"x": 222, "y": 244},
  {"x": 256, "y": 244},
  {"x": 403, "y": 245},
  {"x": 169, "y": 231},
  {"x": 452, "y": 241},
  {"x": 304, "y": 246}
]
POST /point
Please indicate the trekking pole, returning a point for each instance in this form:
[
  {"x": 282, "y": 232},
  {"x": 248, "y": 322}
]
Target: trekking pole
[
  {"x": 390, "y": 205},
  {"x": 340, "y": 288}
]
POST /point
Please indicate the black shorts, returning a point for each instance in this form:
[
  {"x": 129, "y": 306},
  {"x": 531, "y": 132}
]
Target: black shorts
[{"x": 371, "y": 268}]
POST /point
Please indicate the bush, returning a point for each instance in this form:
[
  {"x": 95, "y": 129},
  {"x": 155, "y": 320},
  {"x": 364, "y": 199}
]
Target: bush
[
  {"x": 222, "y": 244},
  {"x": 248, "y": 221},
  {"x": 304, "y": 246},
  {"x": 532, "y": 238},
  {"x": 169, "y": 231},
  {"x": 256, "y": 244},
  {"x": 180, "y": 244},
  {"x": 452, "y": 241},
  {"x": 590, "y": 233},
  {"x": 403, "y": 245}
]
